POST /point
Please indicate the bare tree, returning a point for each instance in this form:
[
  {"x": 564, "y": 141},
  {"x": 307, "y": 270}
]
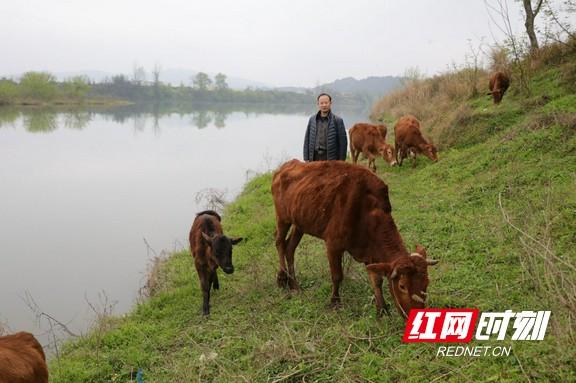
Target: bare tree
[
  {"x": 500, "y": 10},
  {"x": 559, "y": 23},
  {"x": 211, "y": 198},
  {"x": 473, "y": 66},
  {"x": 530, "y": 14},
  {"x": 138, "y": 75},
  {"x": 156, "y": 78},
  {"x": 156, "y": 73}
]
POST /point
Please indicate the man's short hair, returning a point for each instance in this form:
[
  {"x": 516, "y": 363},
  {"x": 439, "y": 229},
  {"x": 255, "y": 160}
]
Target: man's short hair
[{"x": 323, "y": 94}]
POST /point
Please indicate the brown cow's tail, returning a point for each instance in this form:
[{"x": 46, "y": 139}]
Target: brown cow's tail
[{"x": 210, "y": 212}]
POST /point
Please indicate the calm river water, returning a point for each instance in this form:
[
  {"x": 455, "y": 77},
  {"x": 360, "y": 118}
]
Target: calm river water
[{"x": 88, "y": 197}]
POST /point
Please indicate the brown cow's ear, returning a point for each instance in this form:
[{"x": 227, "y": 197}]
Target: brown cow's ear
[
  {"x": 383, "y": 269},
  {"x": 207, "y": 238},
  {"x": 421, "y": 250},
  {"x": 236, "y": 240}
]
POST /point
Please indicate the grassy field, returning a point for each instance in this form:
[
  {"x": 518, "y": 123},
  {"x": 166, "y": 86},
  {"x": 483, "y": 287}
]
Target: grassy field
[{"x": 499, "y": 212}]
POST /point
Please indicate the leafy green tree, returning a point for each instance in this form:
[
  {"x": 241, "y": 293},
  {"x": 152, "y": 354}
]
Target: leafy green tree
[
  {"x": 38, "y": 85},
  {"x": 202, "y": 81},
  {"x": 8, "y": 91},
  {"x": 220, "y": 82},
  {"x": 76, "y": 87}
]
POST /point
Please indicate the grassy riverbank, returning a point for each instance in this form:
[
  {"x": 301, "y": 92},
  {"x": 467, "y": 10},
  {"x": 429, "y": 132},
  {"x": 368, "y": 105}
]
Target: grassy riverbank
[{"x": 498, "y": 210}]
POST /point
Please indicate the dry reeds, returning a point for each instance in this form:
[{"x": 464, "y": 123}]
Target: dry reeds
[
  {"x": 431, "y": 100},
  {"x": 553, "y": 276}
]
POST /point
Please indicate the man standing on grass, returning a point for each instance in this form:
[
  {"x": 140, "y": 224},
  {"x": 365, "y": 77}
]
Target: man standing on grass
[{"x": 325, "y": 135}]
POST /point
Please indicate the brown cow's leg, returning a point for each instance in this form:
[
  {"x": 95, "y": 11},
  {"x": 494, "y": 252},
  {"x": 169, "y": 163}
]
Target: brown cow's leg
[
  {"x": 335, "y": 260},
  {"x": 214, "y": 280},
  {"x": 204, "y": 275},
  {"x": 414, "y": 160},
  {"x": 400, "y": 154},
  {"x": 376, "y": 282},
  {"x": 281, "y": 231},
  {"x": 293, "y": 241},
  {"x": 355, "y": 153},
  {"x": 372, "y": 163}
]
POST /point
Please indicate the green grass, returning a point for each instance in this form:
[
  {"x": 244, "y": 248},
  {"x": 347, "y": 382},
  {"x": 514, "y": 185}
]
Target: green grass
[{"x": 263, "y": 334}]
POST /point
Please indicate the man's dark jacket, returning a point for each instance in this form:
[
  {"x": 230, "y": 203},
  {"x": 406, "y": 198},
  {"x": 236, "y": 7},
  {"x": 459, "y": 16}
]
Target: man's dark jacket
[{"x": 336, "y": 139}]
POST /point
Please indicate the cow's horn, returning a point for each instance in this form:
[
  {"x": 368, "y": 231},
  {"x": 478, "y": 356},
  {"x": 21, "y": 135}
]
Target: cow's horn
[
  {"x": 431, "y": 262},
  {"x": 417, "y": 298},
  {"x": 394, "y": 274},
  {"x": 424, "y": 293}
]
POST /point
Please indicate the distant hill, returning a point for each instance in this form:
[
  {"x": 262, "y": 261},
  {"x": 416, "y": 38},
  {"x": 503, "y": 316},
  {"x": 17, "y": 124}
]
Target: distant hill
[{"x": 373, "y": 86}]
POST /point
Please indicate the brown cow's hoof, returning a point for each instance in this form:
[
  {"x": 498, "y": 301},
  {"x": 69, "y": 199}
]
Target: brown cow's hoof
[
  {"x": 335, "y": 303},
  {"x": 293, "y": 285},
  {"x": 383, "y": 310},
  {"x": 282, "y": 279}
]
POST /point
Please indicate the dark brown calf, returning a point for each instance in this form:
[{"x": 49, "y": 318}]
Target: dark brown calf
[
  {"x": 498, "y": 85},
  {"x": 408, "y": 138},
  {"x": 348, "y": 207},
  {"x": 211, "y": 249},
  {"x": 22, "y": 359}
]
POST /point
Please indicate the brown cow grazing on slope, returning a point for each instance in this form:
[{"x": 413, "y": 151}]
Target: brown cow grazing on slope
[
  {"x": 383, "y": 130},
  {"x": 370, "y": 140},
  {"x": 348, "y": 207},
  {"x": 499, "y": 83},
  {"x": 408, "y": 138},
  {"x": 22, "y": 359},
  {"x": 211, "y": 249}
]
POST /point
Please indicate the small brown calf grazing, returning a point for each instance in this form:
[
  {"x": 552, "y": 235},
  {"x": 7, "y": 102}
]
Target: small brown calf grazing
[
  {"x": 22, "y": 359},
  {"x": 408, "y": 138},
  {"x": 499, "y": 83},
  {"x": 348, "y": 207},
  {"x": 370, "y": 140},
  {"x": 210, "y": 249}
]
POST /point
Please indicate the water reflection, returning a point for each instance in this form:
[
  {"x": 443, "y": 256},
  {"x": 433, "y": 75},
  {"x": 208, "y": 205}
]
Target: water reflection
[
  {"x": 91, "y": 189},
  {"x": 77, "y": 119},
  {"x": 46, "y": 120},
  {"x": 40, "y": 122}
]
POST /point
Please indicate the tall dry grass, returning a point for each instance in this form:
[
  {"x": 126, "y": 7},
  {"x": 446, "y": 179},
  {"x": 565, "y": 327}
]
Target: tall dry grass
[
  {"x": 439, "y": 102},
  {"x": 432, "y": 100}
]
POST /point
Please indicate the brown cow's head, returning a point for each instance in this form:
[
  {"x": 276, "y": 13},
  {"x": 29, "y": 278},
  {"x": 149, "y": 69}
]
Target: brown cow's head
[
  {"x": 408, "y": 279},
  {"x": 387, "y": 153},
  {"x": 221, "y": 247},
  {"x": 430, "y": 151},
  {"x": 497, "y": 95}
]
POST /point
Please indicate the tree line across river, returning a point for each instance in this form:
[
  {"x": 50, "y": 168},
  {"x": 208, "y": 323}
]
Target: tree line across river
[{"x": 41, "y": 88}]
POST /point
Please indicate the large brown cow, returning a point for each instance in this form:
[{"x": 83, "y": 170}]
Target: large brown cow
[
  {"x": 348, "y": 207},
  {"x": 370, "y": 140},
  {"x": 211, "y": 249},
  {"x": 498, "y": 84},
  {"x": 22, "y": 359},
  {"x": 408, "y": 139}
]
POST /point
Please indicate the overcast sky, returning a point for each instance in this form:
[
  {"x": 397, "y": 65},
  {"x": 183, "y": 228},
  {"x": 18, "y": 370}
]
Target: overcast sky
[{"x": 281, "y": 42}]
